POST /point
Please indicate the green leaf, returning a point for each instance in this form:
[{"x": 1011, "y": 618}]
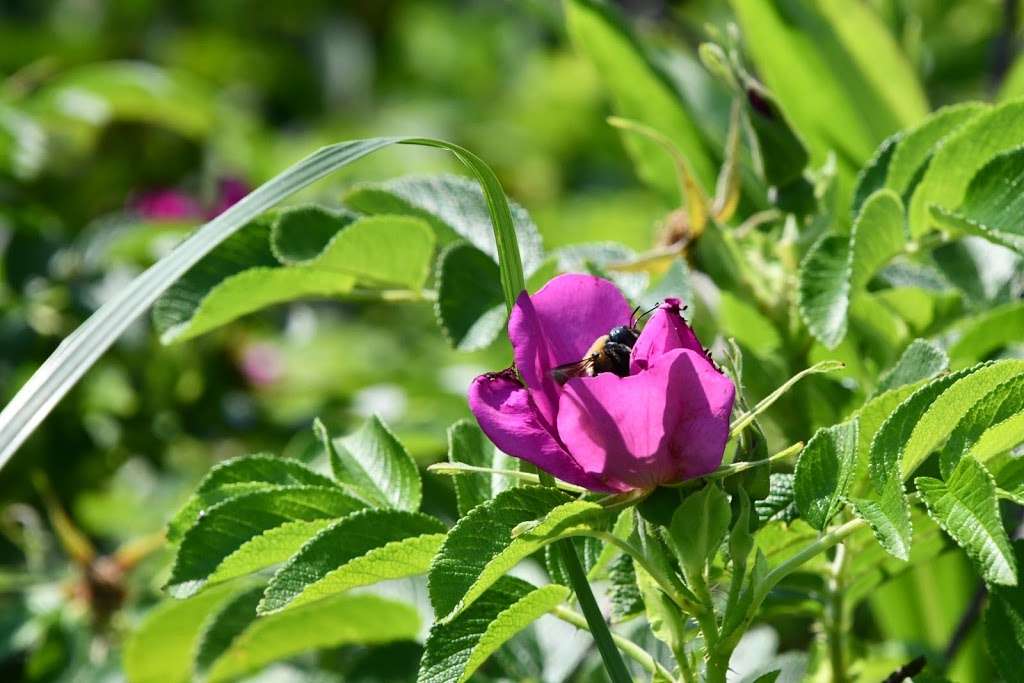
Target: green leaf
[
  {"x": 838, "y": 267},
  {"x": 1001, "y": 407},
  {"x": 455, "y": 207},
  {"x": 224, "y": 626},
  {"x": 243, "y": 274},
  {"x": 363, "y": 548},
  {"x": 835, "y": 70},
  {"x": 238, "y": 476},
  {"x": 1004, "y": 623},
  {"x": 780, "y": 504},
  {"x": 251, "y": 531},
  {"x": 824, "y": 471},
  {"x": 85, "y": 345},
  {"x": 372, "y": 461},
  {"x": 888, "y": 515},
  {"x": 160, "y": 650},
  {"x": 946, "y": 411},
  {"x": 959, "y": 158},
  {"x": 639, "y": 91},
  {"x": 341, "y": 620},
  {"x": 992, "y": 203},
  {"x": 480, "y": 548},
  {"x": 783, "y": 154},
  {"x": 921, "y": 360},
  {"x": 299, "y": 234},
  {"x": 624, "y": 594},
  {"x": 967, "y": 508},
  {"x": 455, "y": 649},
  {"x": 914, "y": 152},
  {"x": 980, "y": 335},
  {"x": 698, "y": 527},
  {"x": 872, "y": 177},
  {"x": 469, "y": 307},
  {"x": 468, "y": 444}
]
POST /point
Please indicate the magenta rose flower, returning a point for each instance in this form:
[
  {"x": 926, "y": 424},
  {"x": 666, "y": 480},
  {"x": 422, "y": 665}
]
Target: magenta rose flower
[{"x": 665, "y": 422}]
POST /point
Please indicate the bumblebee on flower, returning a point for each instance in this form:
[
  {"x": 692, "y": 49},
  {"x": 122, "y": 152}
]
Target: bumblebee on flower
[{"x": 662, "y": 420}]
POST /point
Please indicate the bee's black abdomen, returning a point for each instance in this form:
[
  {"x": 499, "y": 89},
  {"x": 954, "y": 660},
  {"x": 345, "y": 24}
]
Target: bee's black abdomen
[
  {"x": 626, "y": 336},
  {"x": 616, "y": 357}
]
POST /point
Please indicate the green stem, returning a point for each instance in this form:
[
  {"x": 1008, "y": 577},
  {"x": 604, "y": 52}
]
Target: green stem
[
  {"x": 745, "y": 420},
  {"x": 743, "y": 466},
  {"x": 631, "y": 649},
  {"x": 717, "y": 667},
  {"x": 457, "y": 468},
  {"x": 613, "y": 663},
  {"x": 824, "y": 542},
  {"x": 835, "y": 630}
]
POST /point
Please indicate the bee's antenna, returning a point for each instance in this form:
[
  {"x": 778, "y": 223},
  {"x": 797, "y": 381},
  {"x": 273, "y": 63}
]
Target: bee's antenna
[{"x": 634, "y": 320}]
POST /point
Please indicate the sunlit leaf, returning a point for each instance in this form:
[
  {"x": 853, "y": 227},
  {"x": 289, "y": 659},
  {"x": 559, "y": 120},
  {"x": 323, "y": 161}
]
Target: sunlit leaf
[
  {"x": 372, "y": 461},
  {"x": 824, "y": 471}
]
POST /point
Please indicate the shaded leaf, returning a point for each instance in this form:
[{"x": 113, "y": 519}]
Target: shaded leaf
[
  {"x": 476, "y": 551},
  {"x": 251, "y": 531},
  {"x": 300, "y": 233},
  {"x": 780, "y": 504},
  {"x": 468, "y": 444},
  {"x": 960, "y": 157},
  {"x": 238, "y": 476},
  {"x": 1004, "y": 623},
  {"x": 824, "y": 471},
  {"x": 363, "y": 548},
  {"x": 872, "y": 177},
  {"x": 921, "y": 360},
  {"x": 160, "y": 650},
  {"x": 698, "y": 528},
  {"x": 986, "y": 332},
  {"x": 967, "y": 508},
  {"x": 470, "y": 308},
  {"x": 455, "y": 649},
  {"x": 224, "y": 626}
]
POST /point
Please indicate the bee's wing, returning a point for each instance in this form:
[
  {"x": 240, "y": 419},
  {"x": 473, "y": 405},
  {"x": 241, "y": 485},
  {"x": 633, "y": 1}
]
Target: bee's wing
[{"x": 564, "y": 373}]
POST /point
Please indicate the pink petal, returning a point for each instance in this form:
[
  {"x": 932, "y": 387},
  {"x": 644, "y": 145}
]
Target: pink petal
[
  {"x": 166, "y": 205},
  {"x": 666, "y": 330},
  {"x": 661, "y": 426},
  {"x": 507, "y": 416},
  {"x": 557, "y": 325}
]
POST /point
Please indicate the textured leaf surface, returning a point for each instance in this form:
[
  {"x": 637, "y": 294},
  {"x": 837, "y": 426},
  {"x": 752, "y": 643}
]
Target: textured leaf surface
[
  {"x": 363, "y": 548},
  {"x": 640, "y": 92},
  {"x": 838, "y": 267},
  {"x": 780, "y": 504},
  {"x": 455, "y": 649},
  {"x": 824, "y": 471},
  {"x": 1004, "y": 623},
  {"x": 960, "y": 157},
  {"x": 160, "y": 650},
  {"x": 341, "y": 620},
  {"x": 470, "y": 308},
  {"x": 296, "y": 512},
  {"x": 872, "y": 177},
  {"x": 456, "y": 208},
  {"x": 300, "y": 233},
  {"x": 889, "y": 518},
  {"x": 467, "y": 444},
  {"x": 922, "y": 360},
  {"x": 237, "y": 476},
  {"x": 376, "y": 464},
  {"x": 967, "y": 508},
  {"x": 481, "y": 536},
  {"x": 992, "y": 204},
  {"x": 915, "y": 150},
  {"x": 1003, "y": 406}
]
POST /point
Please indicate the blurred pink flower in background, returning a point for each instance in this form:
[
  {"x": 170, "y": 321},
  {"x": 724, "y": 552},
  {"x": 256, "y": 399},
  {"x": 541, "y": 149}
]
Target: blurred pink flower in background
[{"x": 175, "y": 205}]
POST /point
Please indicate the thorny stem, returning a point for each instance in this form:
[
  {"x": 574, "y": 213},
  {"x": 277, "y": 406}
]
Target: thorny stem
[{"x": 628, "y": 647}]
